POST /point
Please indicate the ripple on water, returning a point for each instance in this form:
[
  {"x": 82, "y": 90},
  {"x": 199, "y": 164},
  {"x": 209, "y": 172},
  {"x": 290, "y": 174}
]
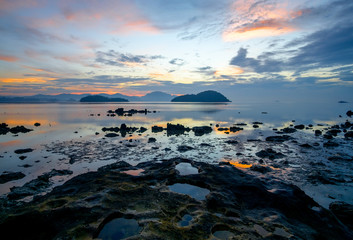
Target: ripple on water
[
  {"x": 119, "y": 228},
  {"x": 191, "y": 190},
  {"x": 186, "y": 169}
]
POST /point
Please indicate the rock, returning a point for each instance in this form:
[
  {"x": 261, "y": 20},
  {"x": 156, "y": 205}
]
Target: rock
[
  {"x": 22, "y": 157},
  {"x": 10, "y": 176},
  {"x": 199, "y": 131},
  {"x": 257, "y": 123},
  {"x": 348, "y": 134},
  {"x": 349, "y": 113},
  {"x": 235, "y": 202},
  {"x": 22, "y": 151},
  {"x": 157, "y": 129},
  {"x": 111, "y": 129},
  {"x": 232, "y": 141},
  {"x": 255, "y": 126},
  {"x": 260, "y": 168},
  {"x": 235, "y": 129},
  {"x": 318, "y": 132},
  {"x": 26, "y": 165},
  {"x": 330, "y": 144},
  {"x": 111, "y": 135},
  {"x": 152, "y": 140},
  {"x": 270, "y": 153},
  {"x": 20, "y": 129},
  {"x": 184, "y": 148},
  {"x": 4, "y": 129},
  {"x": 282, "y": 138},
  {"x": 176, "y": 129},
  {"x": 305, "y": 145},
  {"x": 343, "y": 211},
  {"x": 37, "y": 124},
  {"x": 222, "y": 129},
  {"x": 334, "y": 132},
  {"x": 321, "y": 177},
  {"x": 142, "y": 130},
  {"x": 300, "y": 126},
  {"x": 289, "y": 130}
]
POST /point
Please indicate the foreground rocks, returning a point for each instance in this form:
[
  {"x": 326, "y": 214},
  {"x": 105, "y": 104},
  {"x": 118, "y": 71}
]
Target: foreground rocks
[{"x": 236, "y": 204}]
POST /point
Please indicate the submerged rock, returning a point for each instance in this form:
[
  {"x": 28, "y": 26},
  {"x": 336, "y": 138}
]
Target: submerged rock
[
  {"x": 282, "y": 138},
  {"x": 343, "y": 212},
  {"x": 269, "y": 153},
  {"x": 235, "y": 204},
  {"x": 22, "y": 151},
  {"x": 184, "y": 148},
  {"x": 10, "y": 176}
]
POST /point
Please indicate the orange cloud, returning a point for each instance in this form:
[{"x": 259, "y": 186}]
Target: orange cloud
[
  {"x": 230, "y": 70},
  {"x": 23, "y": 80},
  {"x": 137, "y": 26},
  {"x": 259, "y": 19},
  {"x": 8, "y": 58}
]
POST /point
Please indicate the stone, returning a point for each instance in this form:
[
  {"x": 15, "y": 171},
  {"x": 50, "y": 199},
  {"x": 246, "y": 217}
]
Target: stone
[
  {"x": 22, "y": 151},
  {"x": 10, "y": 176}
]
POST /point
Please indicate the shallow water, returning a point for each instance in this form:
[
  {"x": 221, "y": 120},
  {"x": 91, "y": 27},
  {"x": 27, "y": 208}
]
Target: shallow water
[
  {"x": 191, "y": 190},
  {"x": 70, "y": 137},
  {"x": 186, "y": 169},
  {"x": 119, "y": 228}
]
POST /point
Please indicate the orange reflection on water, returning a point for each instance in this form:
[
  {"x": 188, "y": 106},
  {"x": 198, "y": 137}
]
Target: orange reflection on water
[
  {"x": 134, "y": 172},
  {"x": 13, "y": 122},
  {"x": 239, "y": 165},
  {"x": 10, "y": 143}
]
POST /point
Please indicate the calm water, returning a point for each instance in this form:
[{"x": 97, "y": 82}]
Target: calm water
[{"x": 68, "y": 131}]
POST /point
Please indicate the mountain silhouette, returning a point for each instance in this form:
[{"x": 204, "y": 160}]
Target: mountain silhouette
[
  {"x": 206, "y": 96},
  {"x": 98, "y": 98}
]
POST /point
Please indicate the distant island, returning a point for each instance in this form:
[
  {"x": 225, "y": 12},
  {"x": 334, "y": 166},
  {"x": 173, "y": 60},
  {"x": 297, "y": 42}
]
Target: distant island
[
  {"x": 206, "y": 96},
  {"x": 98, "y": 98}
]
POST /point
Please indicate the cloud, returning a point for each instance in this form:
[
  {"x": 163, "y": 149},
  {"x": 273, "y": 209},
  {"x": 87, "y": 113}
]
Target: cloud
[
  {"x": 114, "y": 58},
  {"x": 258, "y": 18},
  {"x": 7, "y": 58},
  {"x": 177, "y": 61}
]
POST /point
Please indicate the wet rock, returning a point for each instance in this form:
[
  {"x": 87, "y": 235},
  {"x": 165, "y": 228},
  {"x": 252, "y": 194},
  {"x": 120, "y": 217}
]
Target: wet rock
[
  {"x": 84, "y": 205},
  {"x": 235, "y": 129},
  {"x": 260, "y": 168},
  {"x": 111, "y": 135},
  {"x": 255, "y": 126},
  {"x": 318, "y": 132},
  {"x": 157, "y": 129},
  {"x": 37, "y": 124},
  {"x": 199, "y": 131},
  {"x": 348, "y": 135},
  {"x": 152, "y": 140},
  {"x": 37, "y": 185},
  {"x": 10, "y": 176},
  {"x": 176, "y": 129},
  {"x": 288, "y": 130},
  {"x": 184, "y": 148},
  {"x": 26, "y": 165},
  {"x": 330, "y": 144},
  {"x": 20, "y": 129},
  {"x": 111, "y": 129},
  {"x": 142, "y": 130},
  {"x": 232, "y": 141},
  {"x": 300, "y": 126},
  {"x": 270, "y": 153},
  {"x": 343, "y": 211},
  {"x": 321, "y": 177},
  {"x": 282, "y": 138},
  {"x": 257, "y": 123},
  {"x": 305, "y": 145},
  {"x": 328, "y": 136},
  {"x": 22, "y": 151},
  {"x": 334, "y": 132},
  {"x": 222, "y": 129},
  {"x": 349, "y": 113},
  {"x": 22, "y": 157},
  {"x": 4, "y": 129}
]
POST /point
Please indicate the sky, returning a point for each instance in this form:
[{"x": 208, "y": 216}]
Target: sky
[{"x": 241, "y": 48}]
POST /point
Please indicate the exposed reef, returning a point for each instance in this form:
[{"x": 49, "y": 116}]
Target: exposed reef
[{"x": 222, "y": 200}]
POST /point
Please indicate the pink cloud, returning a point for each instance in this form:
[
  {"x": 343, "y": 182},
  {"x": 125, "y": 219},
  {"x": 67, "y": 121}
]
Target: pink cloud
[{"x": 7, "y": 58}]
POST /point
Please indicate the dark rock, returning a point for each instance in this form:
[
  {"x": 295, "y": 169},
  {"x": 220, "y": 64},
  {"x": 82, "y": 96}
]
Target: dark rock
[
  {"x": 4, "y": 129},
  {"x": 255, "y": 126},
  {"x": 235, "y": 129},
  {"x": 26, "y": 165},
  {"x": 222, "y": 129},
  {"x": 22, "y": 151},
  {"x": 22, "y": 157},
  {"x": 257, "y": 123},
  {"x": 288, "y": 130},
  {"x": 176, "y": 129},
  {"x": 157, "y": 129},
  {"x": 343, "y": 211},
  {"x": 184, "y": 148},
  {"x": 111, "y": 135},
  {"x": 282, "y": 138},
  {"x": 36, "y": 124},
  {"x": 348, "y": 134},
  {"x": 300, "y": 126},
  {"x": 142, "y": 130},
  {"x": 205, "y": 145},
  {"x": 111, "y": 129},
  {"x": 349, "y": 113},
  {"x": 10, "y": 176},
  {"x": 260, "y": 168},
  {"x": 342, "y": 101},
  {"x": 328, "y": 136},
  {"x": 232, "y": 141},
  {"x": 305, "y": 145},
  {"x": 269, "y": 153},
  {"x": 199, "y": 131},
  {"x": 152, "y": 140},
  {"x": 20, "y": 129},
  {"x": 334, "y": 132},
  {"x": 330, "y": 144},
  {"x": 318, "y": 132}
]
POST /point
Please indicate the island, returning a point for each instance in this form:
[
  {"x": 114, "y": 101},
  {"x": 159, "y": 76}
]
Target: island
[
  {"x": 206, "y": 96},
  {"x": 98, "y": 98}
]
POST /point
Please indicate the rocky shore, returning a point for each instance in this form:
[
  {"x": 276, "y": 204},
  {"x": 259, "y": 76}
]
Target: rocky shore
[{"x": 171, "y": 199}]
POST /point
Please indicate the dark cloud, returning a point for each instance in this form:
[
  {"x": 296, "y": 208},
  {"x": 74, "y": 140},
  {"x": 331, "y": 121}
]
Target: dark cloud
[{"x": 114, "y": 58}]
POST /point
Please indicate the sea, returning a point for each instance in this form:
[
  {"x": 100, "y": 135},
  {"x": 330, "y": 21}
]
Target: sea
[{"x": 71, "y": 136}]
